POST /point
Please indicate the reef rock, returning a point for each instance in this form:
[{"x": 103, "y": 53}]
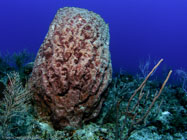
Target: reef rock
[{"x": 72, "y": 68}]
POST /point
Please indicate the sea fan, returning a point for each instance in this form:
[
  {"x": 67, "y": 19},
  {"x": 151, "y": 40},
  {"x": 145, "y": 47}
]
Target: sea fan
[{"x": 14, "y": 104}]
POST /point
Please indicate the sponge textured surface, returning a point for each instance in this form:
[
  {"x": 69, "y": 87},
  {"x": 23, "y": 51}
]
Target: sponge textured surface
[{"x": 72, "y": 68}]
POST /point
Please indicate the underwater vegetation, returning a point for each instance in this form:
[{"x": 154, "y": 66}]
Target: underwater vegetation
[
  {"x": 166, "y": 120},
  {"x": 75, "y": 88},
  {"x": 21, "y": 62},
  {"x": 183, "y": 77},
  {"x": 13, "y": 107}
]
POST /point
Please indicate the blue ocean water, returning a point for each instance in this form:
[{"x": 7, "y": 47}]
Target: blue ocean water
[
  {"x": 138, "y": 29},
  {"x": 141, "y": 32}
]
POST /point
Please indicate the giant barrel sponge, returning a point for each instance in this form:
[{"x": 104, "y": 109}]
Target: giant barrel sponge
[{"x": 72, "y": 68}]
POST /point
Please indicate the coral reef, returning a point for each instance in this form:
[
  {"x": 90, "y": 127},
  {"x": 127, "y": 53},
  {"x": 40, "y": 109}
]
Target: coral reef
[
  {"x": 72, "y": 68},
  {"x": 122, "y": 110},
  {"x": 167, "y": 119}
]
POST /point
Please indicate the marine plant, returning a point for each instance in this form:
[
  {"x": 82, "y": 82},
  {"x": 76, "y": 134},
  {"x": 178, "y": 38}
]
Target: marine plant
[
  {"x": 183, "y": 77},
  {"x": 163, "y": 120},
  {"x": 133, "y": 112},
  {"x": 21, "y": 62},
  {"x": 17, "y": 60},
  {"x": 130, "y": 109},
  {"x": 13, "y": 107},
  {"x": 145, "y": 67}
]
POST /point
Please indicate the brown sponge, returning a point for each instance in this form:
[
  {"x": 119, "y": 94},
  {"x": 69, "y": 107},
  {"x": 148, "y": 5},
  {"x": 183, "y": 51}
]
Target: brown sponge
[{"x": 72, "y": 68}]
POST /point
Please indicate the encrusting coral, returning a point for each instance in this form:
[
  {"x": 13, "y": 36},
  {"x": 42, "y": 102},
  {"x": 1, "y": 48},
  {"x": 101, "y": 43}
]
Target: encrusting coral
[{"x": 72, "y": 68}]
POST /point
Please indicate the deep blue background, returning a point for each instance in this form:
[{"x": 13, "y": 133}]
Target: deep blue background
[{"x": 138, "y": 28}]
